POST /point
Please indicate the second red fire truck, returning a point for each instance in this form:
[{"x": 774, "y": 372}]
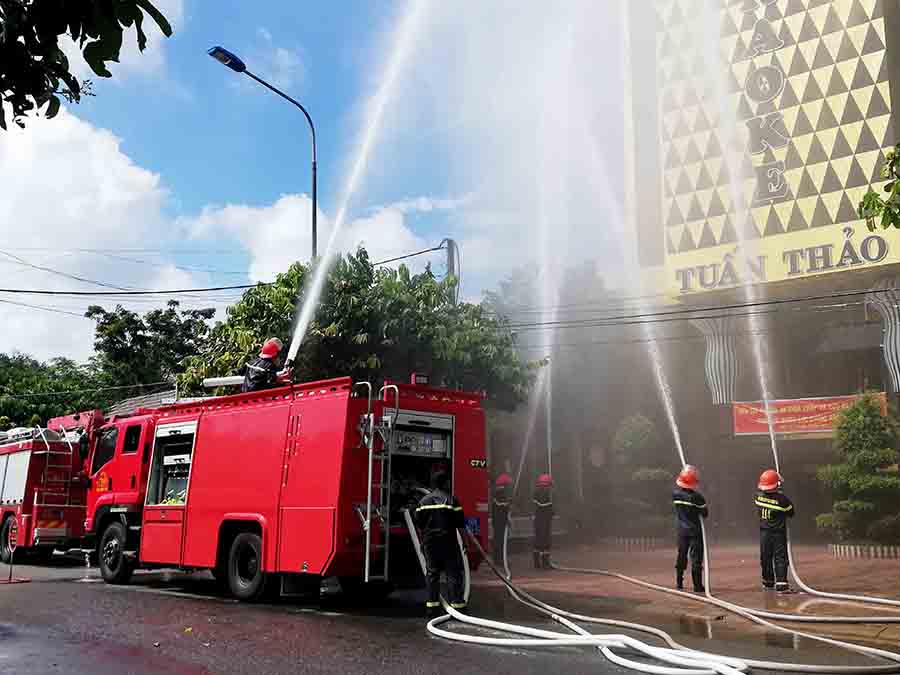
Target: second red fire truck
[{"x": 274, "y": 490}]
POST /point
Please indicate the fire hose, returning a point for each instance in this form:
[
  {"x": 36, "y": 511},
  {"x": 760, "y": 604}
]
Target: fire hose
[{"x": 679, "y": 659}]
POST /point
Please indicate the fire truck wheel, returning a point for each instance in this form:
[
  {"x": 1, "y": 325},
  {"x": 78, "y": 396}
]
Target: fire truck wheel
[
  {"x": 115, "y": 568},
  {"x": 246, "y": 578},
  {"x": 6, "y": 555}
]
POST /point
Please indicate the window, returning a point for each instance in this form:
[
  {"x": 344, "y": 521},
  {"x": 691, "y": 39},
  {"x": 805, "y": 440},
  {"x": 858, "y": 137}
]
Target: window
[
  {"x": 106, "y": 448},
  {"x": 171, "y": 467},
  {"x": 132, "y": 440}
]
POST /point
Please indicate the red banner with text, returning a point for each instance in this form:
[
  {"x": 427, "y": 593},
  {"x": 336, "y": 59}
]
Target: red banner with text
[{"x": 794, "y": 416}]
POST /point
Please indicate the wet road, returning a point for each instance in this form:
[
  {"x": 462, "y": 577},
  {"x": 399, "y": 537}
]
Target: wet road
[{"x": 171, "y": 623}]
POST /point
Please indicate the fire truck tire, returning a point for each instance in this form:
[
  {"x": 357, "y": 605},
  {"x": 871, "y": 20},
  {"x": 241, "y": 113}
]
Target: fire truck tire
[
  {"x": 115, "y": 567},
  {"x": 6, "y": 555},
  {"x": 246, "y": 578}
]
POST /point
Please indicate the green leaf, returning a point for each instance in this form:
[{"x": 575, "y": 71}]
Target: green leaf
[
  {"x": 157, "y": 16},
  {"x": 95, "y": 54},
  {"x": 53, "y": 107}
]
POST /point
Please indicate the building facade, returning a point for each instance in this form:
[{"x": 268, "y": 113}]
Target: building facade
[{"x": 755, "y": 128}]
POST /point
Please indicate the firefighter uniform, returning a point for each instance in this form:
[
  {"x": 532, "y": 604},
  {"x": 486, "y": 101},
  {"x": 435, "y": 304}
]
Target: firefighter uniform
[
  {"x": 543, "y": 521},
  {"x": 774, "y": 509},
  {"x": 259, "y": 374},
  {"x": 502, "y": 502},
  {"x": 438, "y": 517},
  {"x": 690, "y": 507}
]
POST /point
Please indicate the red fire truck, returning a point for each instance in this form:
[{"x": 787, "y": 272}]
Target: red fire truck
[
  {"x": 274, "y": 490},
  {"x": 40, "y": 489}
]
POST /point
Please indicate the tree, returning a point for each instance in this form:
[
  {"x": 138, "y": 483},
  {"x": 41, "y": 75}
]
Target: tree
[
  {"x": 30, "y": 389},
  {"x": 35, "y": 72},
  {"x": 875, "y": 208},
  {"x": 134, "y": 349},
  {"x": 865, "y": 483},
  {"x": 371, "y": 324},
  {"x": 641, "y": 481}
]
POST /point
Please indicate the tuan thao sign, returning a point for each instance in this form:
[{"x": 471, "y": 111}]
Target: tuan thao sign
[{"x": 762, "y": 175}]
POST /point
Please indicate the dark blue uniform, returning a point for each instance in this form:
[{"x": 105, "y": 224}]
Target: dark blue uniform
[
  {"x": 438, "y": 517},
  {"x": 502, "y": 502},
  {"x": 774, "y": 509},
  {"x": 543, "y": 522},
  {"x": 259, "y": 374},
  {"x": 690, "y": 506}
]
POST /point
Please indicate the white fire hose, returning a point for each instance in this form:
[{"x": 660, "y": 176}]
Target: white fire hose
[{"x": 679, "y": 660}]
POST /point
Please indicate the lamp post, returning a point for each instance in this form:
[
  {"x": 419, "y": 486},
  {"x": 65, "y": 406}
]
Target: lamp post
[{"x": 230, "y": 60}]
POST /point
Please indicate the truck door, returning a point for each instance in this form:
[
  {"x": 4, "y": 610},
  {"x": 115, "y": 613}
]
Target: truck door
[
  {"x": 162, "y": 535},
  {"x": 102, "y": 482},
  {"x": 124, "y": 473}
]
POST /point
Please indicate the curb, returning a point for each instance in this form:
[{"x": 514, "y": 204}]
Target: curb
[{"x": 863, "y": 551}]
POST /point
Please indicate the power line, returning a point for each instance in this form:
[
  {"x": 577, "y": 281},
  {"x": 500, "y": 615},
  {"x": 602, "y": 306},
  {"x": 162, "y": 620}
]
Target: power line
[
  {"x": 50, "y": 270},
  {"x": 84, "y": 391},
  {"x": 175, "y": 291},
  {"x": 41, "y": 307}
]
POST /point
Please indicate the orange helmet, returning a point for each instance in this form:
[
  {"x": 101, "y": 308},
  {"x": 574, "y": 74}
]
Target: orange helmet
[
  {"x": 545, "y": 480},
  {"x": 688, "y": 478},
  {"x": 271, "y": 348},
  {"x": 769, "y": 480},
  {"x": 503, "y": 480}
]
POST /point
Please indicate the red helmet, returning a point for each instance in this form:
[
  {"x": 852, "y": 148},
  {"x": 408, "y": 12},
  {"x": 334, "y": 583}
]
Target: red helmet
[
  {"x": 688, "y": 478},
  {"x": 271, "y": 348},
  {"x": 545, "y": 480},
  {"x": 769, "y": 480},
  {"x": 503, "y": 480}
]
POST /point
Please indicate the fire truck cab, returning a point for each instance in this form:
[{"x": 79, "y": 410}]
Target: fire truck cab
[{"x": 274, "y": 490}]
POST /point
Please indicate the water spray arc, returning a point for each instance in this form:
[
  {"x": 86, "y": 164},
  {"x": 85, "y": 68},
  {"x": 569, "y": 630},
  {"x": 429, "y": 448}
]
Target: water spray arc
[{"x": 406, "y": 33}]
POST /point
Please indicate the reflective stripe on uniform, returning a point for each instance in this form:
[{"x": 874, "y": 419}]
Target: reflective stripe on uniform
[
  {"x": 439, "y": 506},
  {"x": 458, "y": 605},
  {"x": 543, "y": 503},
  {"x": 765, "y": 505},
  {"x": 496, "y": 503},
  {"x": 431, "y": 605},
  {"x": 699, "y": 506}
]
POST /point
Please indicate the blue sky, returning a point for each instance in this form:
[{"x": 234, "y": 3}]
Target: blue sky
[{"x": 500, "y": 131}]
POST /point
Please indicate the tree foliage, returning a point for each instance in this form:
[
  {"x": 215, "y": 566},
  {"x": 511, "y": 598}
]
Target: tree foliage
[
  {"x": 372, "y": 324},
  {"x": 134, "y": 349},
  {"x": 640, "y": 480},
  {"x": 866, "y": 484},
  {"x": 885, "y": 211},
  {"x": 24, "y": 383},
  {"x": 34, "y": 71}
]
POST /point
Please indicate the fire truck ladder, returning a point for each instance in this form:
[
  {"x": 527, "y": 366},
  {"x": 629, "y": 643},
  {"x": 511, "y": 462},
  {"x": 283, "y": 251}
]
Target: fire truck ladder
[
  {"x": 385, "y": 429},
  {"x": 57, "y": 479}
]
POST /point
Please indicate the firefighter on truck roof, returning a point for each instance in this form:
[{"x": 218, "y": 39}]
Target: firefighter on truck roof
[
  {"x": 690, "y": 507},
  {"x": 543, "y": 520},
  {"x": 502, "y": 500},
  {"x": 774, "y": 510},
  {"x": 438, "y": 517},
  {"x": 262, "y": 372}
]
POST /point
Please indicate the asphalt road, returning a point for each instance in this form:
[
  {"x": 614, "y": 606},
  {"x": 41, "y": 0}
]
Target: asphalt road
[{"x": 172, "y": 623}]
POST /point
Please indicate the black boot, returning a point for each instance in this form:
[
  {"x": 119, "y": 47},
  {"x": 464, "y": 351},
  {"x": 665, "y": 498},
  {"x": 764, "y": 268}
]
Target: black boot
[
  {"x": 537, "y": 560},
  {"x": 697, "y": 579},
  {"x": 545, "y": 561},
  {"x": 679, "y": 579}
]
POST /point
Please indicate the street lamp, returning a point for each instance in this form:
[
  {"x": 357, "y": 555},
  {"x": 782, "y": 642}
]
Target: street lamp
[{"x": 230, "y": 60}]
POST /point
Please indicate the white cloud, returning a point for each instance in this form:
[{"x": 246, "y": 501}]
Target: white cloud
[
  {"x": 75, "y": 189},
  {"x": 280, "y": 234},
  {"x": 152, "y": 61},
  {"x": 281, "y": 66}
]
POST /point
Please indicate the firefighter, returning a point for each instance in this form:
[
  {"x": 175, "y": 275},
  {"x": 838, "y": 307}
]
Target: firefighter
[
  {"x": 690, "y": 507},
  {"x": 774, "y": 510},
  {"x": 543, "y": 520},
  {"x": 502, "y": 501},
  {"x": 262, "y": 372},
  {"x": 438, "y": 517}
]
